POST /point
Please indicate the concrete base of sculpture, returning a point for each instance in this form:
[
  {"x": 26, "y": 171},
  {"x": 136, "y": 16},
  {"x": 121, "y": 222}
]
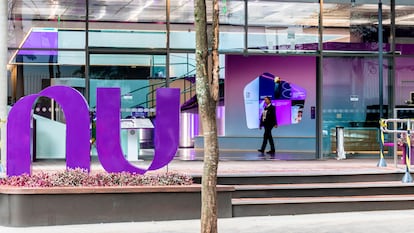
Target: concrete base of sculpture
[{"x": 22, "y": 207}]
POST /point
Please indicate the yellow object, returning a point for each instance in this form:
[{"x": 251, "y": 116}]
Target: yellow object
[{"x": 408, "y": 156}]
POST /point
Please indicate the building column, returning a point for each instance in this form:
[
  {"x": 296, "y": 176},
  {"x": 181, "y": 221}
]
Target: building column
[{"x": 3, "y": 79}]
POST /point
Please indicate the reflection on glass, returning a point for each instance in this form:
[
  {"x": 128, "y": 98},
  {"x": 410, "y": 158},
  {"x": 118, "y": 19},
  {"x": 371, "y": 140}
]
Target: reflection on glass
[
  {"x": 280, "y": 25},
  {"x": 354, "y": 26},
  {"x": 351, "y": 100}
]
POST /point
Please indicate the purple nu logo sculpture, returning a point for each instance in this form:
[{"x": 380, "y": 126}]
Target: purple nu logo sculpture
[{"x": 107, "y": 130}]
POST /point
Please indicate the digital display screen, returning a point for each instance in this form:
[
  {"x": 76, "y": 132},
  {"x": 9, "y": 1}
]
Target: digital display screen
[{"x": 288, "y": 98}]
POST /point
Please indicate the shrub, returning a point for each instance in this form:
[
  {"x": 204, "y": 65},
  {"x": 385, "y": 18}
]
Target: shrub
[{"x": 79, "y": 177}]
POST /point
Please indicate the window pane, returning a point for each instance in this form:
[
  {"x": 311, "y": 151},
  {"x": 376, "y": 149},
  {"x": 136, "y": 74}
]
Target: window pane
[
  {"x": 26, "y": 16},
  {"x": 353, "y": 26},
  {"x": 404, "y": 82},
  {"x": 127, "y": 39},
  {"x": 404, "y": 23},
  {"x": 351, "y": 100},
  {"x": 281, "y": 25}
]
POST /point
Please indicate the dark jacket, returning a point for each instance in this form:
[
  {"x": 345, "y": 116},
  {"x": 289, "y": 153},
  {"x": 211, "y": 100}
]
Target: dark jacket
[{"x": 270, "y": 120}]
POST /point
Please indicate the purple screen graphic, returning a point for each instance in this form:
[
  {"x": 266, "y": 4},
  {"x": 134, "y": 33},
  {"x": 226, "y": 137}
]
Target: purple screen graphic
[
  {"x": 288, "y": 98},
  {"x": 43, "y": 45},
  {"x": 42, "y": 39}
]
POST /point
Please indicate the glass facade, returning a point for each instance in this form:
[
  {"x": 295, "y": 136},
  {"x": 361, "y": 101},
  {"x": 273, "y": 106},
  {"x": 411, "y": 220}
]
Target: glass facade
[
  {"x": 140, "y": 45},
  {"x": 283, "y": 26}
]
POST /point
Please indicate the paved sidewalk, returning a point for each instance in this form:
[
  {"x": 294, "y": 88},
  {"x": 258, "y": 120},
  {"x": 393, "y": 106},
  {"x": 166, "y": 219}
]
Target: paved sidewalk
[
  {"x": 256, "y": 167},
  {"x": 354, "y": 222}
]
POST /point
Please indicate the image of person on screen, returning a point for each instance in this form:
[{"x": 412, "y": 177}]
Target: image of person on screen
[
  {"x": 299, "y": 116},
  {"x": 268, "y": 121}
]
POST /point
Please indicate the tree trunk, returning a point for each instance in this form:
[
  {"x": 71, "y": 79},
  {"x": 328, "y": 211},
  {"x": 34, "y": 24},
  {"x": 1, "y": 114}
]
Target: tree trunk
[
  {"x": 207, "y": 97},
  {"x": 215, "y": 54}
]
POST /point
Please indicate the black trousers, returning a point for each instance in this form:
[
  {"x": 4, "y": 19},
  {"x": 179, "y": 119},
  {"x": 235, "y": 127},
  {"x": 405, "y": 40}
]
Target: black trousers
[{"x": 267, "y": 136}]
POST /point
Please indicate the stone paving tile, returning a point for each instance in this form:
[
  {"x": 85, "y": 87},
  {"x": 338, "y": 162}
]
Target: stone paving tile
[{"x": 330, "y": 166}]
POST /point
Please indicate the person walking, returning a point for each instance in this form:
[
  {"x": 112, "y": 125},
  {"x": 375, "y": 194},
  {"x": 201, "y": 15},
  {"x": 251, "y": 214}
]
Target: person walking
[{"x": 268, "y": 120}]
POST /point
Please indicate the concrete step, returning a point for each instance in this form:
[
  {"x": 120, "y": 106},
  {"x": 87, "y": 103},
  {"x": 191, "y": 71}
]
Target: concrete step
[
  {"x": 294, "y": 178},
  {"x": 308, "y": 205},
  {"x": 323, "y": 189}
]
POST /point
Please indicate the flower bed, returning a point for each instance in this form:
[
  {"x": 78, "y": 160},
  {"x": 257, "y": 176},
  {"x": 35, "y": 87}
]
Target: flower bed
[
  {"x": 79, "y": 177},
  {"x": 76, "y": 197}
]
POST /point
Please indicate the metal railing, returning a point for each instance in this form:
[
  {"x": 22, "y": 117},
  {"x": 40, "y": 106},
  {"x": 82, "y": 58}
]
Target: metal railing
[
  {"x": 404, "y": 128},
  {"x": 150, "y": 96}
]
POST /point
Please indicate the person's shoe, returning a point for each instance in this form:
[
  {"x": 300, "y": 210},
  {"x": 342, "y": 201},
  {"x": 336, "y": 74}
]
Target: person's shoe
[
  {"x": 261, "y": 151},
  {"x": 270, "y": 152}
]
